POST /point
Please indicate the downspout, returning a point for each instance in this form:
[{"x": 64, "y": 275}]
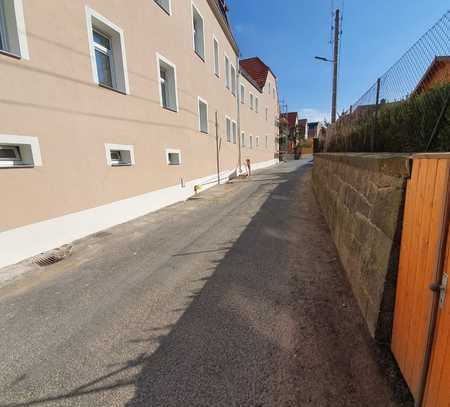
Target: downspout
[{"x": 238, "y": 109}]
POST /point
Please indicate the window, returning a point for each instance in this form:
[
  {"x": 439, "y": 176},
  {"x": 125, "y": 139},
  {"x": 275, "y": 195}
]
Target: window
[
  {"x": 251, "y": 100},
  {"x": 119, "y": 155},
  {"x": 257, "y": 141},
  {"x": 269, "y": 88},
  {"x": 216, "y": 56},
  {"x": 227, "y": 72},
  {"x": 256, "y": 104},
  {"x": 242, "y": 94},
  {"x": 198, "y": 33},
  {"x": 228, "y": 128},
  {"x": 267, "y": 141},
  {"x": 13, "y": 37},
  {"x": 267, "y": 113},
  {"x": 251, "y": 141},
  {"x": 233, "y": 80},
  {"x": 165, "y": 5},
  {"x": 173, "y": 157},
  {"x": 167, "y": 83},
  {"x": 107, "y": 48},
  {"x": 203, "y": 115},
  {"x": 243, "y": 139},
  {"x": 234, "y": 132},
  {"x": 19, "y": 151}
]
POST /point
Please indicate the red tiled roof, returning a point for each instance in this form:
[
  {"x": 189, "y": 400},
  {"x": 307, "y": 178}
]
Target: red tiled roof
[{"x": 257, "y": 69}]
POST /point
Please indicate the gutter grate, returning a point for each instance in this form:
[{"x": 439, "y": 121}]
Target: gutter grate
[{"x": 52, "y": 256}]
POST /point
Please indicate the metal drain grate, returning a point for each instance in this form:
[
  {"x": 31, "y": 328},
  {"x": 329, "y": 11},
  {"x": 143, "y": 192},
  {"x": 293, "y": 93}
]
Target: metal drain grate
[{"x": 53, "y": 256}]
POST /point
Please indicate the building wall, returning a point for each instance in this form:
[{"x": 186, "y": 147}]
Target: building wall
[
  {"x": 255, "y": 124},
  {"x": 52, "y": 96}
]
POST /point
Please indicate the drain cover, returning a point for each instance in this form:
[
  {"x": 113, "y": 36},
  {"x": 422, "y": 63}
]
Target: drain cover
[{"x": 52, "y": 256}]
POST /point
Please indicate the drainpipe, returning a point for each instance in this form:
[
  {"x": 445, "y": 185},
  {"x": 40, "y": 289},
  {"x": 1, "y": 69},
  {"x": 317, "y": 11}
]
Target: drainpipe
[{"x": 238, "y": 105}]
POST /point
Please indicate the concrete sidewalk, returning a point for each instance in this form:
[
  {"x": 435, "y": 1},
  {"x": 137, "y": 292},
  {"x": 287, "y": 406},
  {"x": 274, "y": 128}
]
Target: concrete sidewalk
[{"x": 234, "y": 298}]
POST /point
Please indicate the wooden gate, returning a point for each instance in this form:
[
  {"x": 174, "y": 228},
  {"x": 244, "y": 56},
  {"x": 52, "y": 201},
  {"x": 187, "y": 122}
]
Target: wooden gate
[{"x": 421, "y": 341}]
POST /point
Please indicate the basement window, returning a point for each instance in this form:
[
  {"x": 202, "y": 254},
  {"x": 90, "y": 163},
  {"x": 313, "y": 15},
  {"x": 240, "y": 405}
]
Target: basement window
[
  {"x": 168, "y": 83},
  {"x": 198, "y": 33},
  {"x": 203, "y": 115},
  {"x": 107, "y": 48},
  {"x": 173, "y": 157},
  {"x": 19, "y": 151},
  {"x": 165, "y": 5},
  {"x": 119, "y": 155}
]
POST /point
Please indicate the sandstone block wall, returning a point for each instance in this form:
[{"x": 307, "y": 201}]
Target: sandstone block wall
[{"x": 361, "y": 197}]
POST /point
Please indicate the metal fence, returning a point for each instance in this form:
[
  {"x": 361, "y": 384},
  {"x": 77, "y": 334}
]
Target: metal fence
[{"x": 407, "y": 108}]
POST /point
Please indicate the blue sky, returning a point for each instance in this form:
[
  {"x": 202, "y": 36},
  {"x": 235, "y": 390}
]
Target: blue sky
[{"x": 287, "y": 34}]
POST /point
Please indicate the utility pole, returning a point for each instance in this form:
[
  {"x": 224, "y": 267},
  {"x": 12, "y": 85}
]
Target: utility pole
[{"x": 335, "y": 65}]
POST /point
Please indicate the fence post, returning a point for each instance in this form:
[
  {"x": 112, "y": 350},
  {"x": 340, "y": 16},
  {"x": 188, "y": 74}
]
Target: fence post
[{"x": 377, "y": 103}]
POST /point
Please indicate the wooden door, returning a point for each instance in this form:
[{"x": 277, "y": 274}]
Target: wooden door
[
  {"x": 437, "y": 392},
  {"x": 423, "y": 241}
]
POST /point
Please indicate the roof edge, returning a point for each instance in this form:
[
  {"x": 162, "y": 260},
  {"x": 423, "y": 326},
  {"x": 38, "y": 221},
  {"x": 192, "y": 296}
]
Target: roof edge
[
  {"x": 223, "y": 23},
  {"x": 259, "y": 59}
]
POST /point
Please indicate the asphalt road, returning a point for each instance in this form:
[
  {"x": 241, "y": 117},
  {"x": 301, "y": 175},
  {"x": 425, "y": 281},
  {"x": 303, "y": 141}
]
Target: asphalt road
[{"x": 233, "y": 298}]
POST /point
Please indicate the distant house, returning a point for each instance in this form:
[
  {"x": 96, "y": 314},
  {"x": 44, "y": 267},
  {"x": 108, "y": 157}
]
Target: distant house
[
  {"x": 293, "y": 126},
  {"x": 315, "y": 129},
  {"x": 438, "y": 73}
]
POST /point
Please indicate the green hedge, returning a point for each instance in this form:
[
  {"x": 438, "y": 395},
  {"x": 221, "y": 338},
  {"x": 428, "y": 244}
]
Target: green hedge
[{"x": 401, "y": 127}]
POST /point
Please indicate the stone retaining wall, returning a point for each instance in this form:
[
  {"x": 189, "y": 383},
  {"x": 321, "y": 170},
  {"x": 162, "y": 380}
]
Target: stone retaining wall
[{"x": 361, "y": 197}]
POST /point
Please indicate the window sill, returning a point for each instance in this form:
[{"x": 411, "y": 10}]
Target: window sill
[
  {"x": 204, "y": 132},
  {"x": 174, "y": 165},
  {"x": 170, "y": 109},
  {"x": 16, "y": 166},
  {"x": 101, "y": 85},
  {"x": 122, "y": 165},
  {"x": 9, "y": 54},
  {"x": 201, "y": 57},
  {"x": 217, "y": 75}
]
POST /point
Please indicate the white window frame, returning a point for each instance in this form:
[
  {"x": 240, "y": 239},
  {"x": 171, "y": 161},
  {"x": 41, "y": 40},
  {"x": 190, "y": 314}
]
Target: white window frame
[
  {"x": 242, "y": 93},
  {"x": 234, "y": 131},
  {"x": 169, "y": 6},
  {"x": 233, "y": 79},
  {"x": 173, "y": 151},
  {"x": 30, "y": 152},
  {"x": 14, "y": 30},
  {"x": 119, "y": 60},
  {"x": 229, "y": 136},
  {"x": 194, "y": 7},
  {"x": 216, "y": 56},
  {"x": 119, "y": 147},
  {"x": 201, "y": 100},
  {"x": 160, "y": 58},
  {"x": 227, "y": 71}
]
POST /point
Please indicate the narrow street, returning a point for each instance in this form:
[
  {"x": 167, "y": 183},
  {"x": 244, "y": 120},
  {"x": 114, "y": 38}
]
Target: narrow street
[{"x": 233, "y": 298}]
